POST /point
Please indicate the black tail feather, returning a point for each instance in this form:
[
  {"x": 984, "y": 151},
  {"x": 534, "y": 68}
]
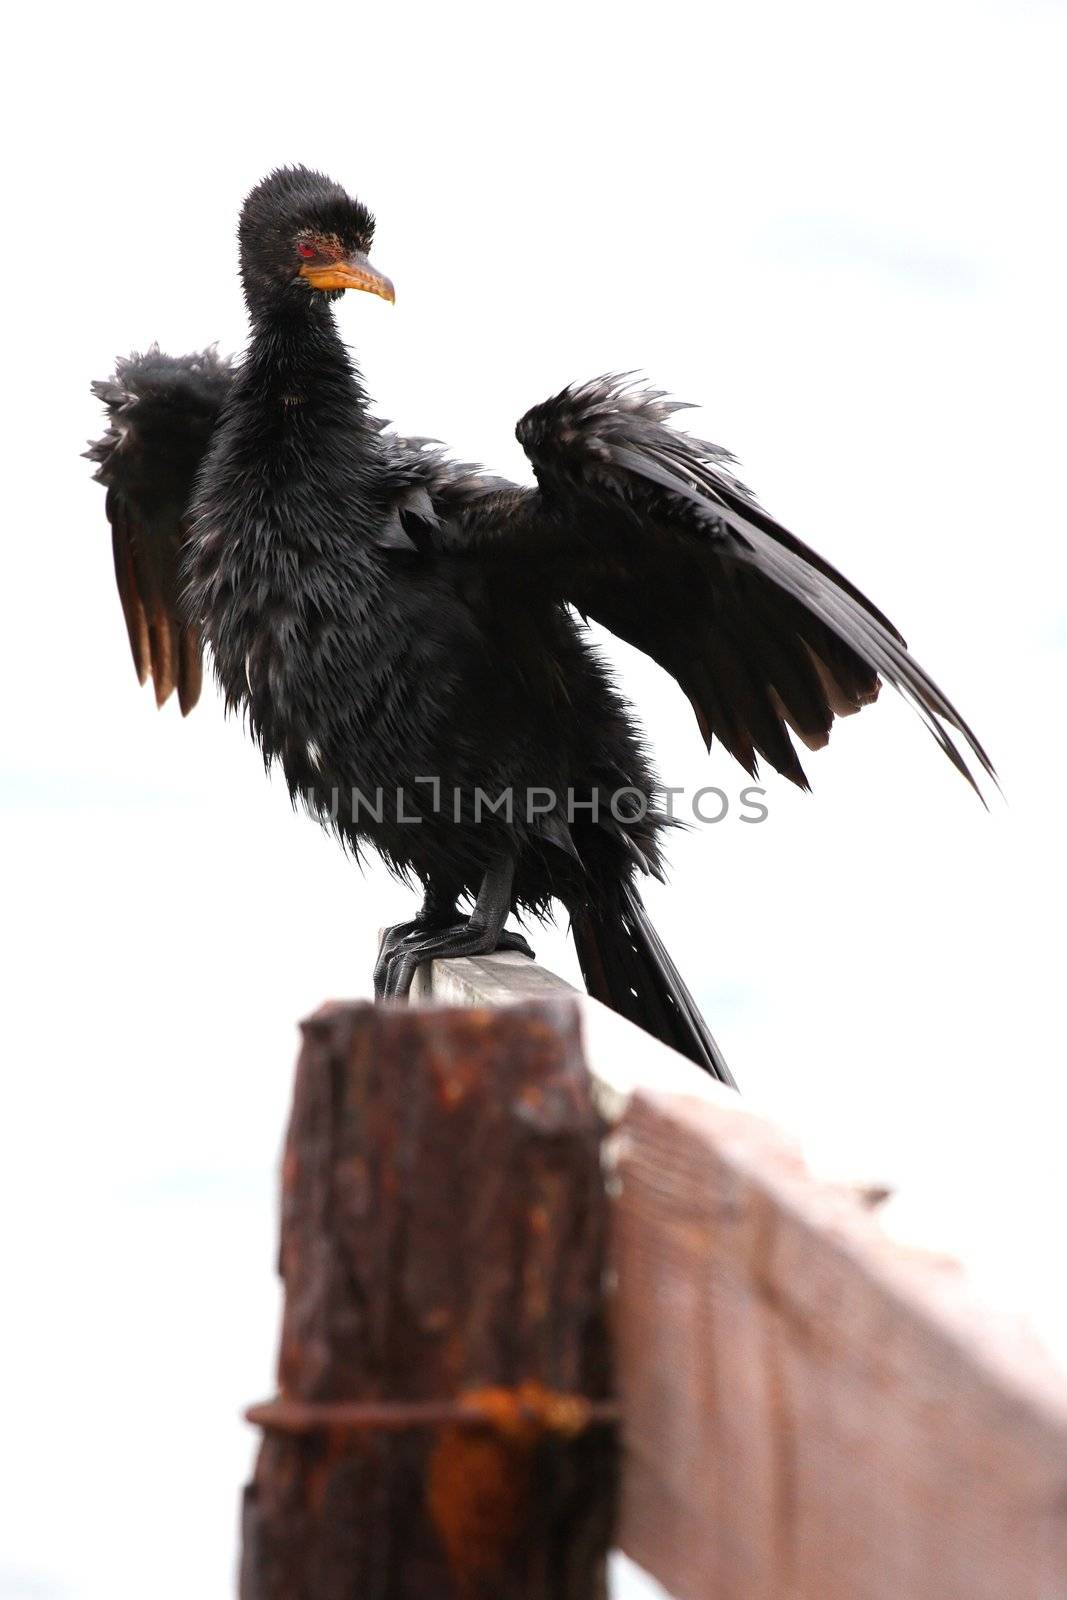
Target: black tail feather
[{"x": 625, "y": 965}]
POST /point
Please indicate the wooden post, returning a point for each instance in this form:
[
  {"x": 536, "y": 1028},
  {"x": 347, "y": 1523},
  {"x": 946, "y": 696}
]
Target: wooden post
[{"x": 443, "y": 1244}]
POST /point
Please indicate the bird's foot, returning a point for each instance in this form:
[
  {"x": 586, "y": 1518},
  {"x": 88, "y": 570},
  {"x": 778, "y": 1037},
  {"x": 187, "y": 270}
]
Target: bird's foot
[
  {"x": 391, "y": 937},
  {"x": 399, "y": 962}
]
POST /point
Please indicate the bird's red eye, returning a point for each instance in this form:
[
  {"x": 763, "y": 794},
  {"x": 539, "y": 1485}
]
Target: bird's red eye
[{"x": 305, "y": 251}]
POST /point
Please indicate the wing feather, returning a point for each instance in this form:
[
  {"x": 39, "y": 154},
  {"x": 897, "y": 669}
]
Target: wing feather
[
  {"x": 762, "y": 633},
  {"x": 161, "y": 413}
]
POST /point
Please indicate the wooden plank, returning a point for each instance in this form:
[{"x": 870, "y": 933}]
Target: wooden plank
[
  {"x": 444, "y": 1237},
  {"x": 811, "y": 1411}
]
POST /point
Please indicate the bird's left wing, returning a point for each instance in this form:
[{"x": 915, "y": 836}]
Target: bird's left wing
[
  {"x": 161, "y": 413},
  {"x": 648, "y": 531}
]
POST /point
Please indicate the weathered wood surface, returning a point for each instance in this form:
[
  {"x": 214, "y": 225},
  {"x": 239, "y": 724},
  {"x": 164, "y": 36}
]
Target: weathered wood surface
[
  {"x": 810, "y": 1411},
  {"x": 621, "y": 1058},
  {"x": 443, "y": 1231}
]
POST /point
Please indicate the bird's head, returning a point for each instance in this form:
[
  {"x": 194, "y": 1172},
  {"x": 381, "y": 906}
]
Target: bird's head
[{"x": 302, "y": 237}]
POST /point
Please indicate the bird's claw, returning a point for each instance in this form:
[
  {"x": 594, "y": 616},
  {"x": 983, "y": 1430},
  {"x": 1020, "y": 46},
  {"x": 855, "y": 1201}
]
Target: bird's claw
[
  {"x": 391, "y": 938},
  {"x": 400, "y": 957},
  {"x": 516, "y": 942}
]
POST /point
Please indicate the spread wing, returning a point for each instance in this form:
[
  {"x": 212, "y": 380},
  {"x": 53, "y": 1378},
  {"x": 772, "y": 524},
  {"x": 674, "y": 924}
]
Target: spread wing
[
  {"x": 161, "y": 413},
  {"x": 648, "y": 531}
]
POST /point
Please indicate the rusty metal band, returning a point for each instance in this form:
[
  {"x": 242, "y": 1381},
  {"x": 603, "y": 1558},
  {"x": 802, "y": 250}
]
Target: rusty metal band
[{"x": 550, "y": 1412}]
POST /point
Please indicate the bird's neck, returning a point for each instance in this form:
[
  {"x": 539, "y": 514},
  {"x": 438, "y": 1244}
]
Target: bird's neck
[
  {"x": 299, "y": 368},
  {"x": 297, "y": 464}
]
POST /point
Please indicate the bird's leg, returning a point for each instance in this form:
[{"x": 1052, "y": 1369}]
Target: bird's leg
[
  {"x": 437, "y": 912},
  {"x": 480, "y": 935}
]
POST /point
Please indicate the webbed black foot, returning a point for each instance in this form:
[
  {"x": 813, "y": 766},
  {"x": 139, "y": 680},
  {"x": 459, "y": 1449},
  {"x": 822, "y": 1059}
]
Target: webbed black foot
[
  {"x": 437, "y": 912},
  {"x": 406, "y": 947},
  {"x": 468, "y": 938},
  {"x": 391, "y": 937}
]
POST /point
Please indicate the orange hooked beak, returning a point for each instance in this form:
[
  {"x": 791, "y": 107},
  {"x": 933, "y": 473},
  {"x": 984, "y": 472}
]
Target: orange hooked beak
[{"x": 354, "y": 273}]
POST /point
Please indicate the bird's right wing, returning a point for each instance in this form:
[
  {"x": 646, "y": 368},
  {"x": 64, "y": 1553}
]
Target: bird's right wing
[
  {"x": 161, "y": 411},
  {"x": 647, "y": 531}
]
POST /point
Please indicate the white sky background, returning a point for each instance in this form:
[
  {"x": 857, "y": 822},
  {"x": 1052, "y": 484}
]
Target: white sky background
[{"x": 838, "y": 227}]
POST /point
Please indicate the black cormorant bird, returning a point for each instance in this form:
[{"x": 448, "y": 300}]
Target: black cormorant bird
[{"x": 402, "y": 632}]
